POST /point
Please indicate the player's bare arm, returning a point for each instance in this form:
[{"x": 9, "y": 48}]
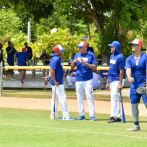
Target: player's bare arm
[
  {"x": 15, "y": 60},
  {"x": 73, "y": 64},
  {"x": 9, "y": 52},
  {"x": 53, "y": 76},
  {"x": 128, "y": 73},
  {"x": 120, "y": 80},
  {"x": 107, "y": 85}
]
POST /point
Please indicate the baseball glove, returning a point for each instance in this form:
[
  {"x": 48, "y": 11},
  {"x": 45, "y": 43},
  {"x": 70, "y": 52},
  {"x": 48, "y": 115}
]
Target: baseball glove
[{"x": 142, "y": 90}]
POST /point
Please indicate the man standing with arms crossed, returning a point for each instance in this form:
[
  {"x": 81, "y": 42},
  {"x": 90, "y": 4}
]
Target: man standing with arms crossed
[
  {"x": 115, "y": 79},
  {"x": 86, "y": 62},
  {"x": 136, "y": 70},
  {"x": 56, "y": 79}
]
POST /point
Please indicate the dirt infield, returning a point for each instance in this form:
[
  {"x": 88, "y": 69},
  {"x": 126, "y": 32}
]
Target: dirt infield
[{"x": 102, "y": 107}]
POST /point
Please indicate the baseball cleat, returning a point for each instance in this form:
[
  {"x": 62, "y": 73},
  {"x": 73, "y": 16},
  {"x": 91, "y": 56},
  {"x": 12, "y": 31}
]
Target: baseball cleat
[
  {"x": 112, "y": 120},
  {"x": 69, "y": 118},
  {"x": 81, "y": 118},
  {"x": 70, "y": 86},
  {"x": 13, "y": 78},
  {"x": 5, "y": 77},
  {"x": 93, "y": 119},
  {"x": 59, "y": 117},
  {"x": 118, "y": 119},
  {"x": 135, "y": 128}
]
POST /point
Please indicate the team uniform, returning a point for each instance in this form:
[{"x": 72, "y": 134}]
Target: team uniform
[
  {"x": 137, "y": 68},
  {"x": 29, "y": 50},
  {"x": 84, "y": 81},
  {"x": 71, "y": 79},
  {"x": 96, "y": 81},
  {"x": 56, "y": 64},
  {"x": 10, "y": 57},
  {"x": 22, "y": 58},
  {"x": 117, "y": 63}
]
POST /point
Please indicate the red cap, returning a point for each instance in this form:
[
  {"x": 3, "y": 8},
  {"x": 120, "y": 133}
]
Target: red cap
[
  {"x": 58, "y": 48},
  {"x": 1, "y": 43},
  {"x": 9, "y": 42},
  {"x": 24, "y": 49}
]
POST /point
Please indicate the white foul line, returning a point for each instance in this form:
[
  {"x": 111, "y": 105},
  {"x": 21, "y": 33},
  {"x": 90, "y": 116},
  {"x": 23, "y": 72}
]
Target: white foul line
[{"x": 90, "y": 132}]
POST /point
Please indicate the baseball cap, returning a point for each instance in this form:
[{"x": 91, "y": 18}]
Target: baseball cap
[
  {"x": 58, "y": 48},
  {"x": 24, "y": 49},
  {"x": 115, "y": 44},
  {"x": 1, "y": 43},
  {"x": 137, "y": 42},
  {"x": 25, "y": 43},
  {"x": 83, "y": 44},
  {"x": 43, "y": 51},
  {"x": 104, "y": 64},
  {"x": 9, "y": 42}
]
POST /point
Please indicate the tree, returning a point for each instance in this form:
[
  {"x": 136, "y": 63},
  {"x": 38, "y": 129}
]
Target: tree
[
  {"x": 124, "y": 13},
  {"x": 9, "y": 22}
]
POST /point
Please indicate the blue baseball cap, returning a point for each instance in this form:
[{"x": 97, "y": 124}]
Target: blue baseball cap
[{"x": 115, "y": 44}]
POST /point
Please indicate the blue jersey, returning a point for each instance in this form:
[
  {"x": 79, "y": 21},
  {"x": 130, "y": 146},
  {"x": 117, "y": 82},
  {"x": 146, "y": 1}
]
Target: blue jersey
[
  {"x": 83, "y": 72},
  {"x": 56, "y": 64},
  {"x": 117, "y": 63},
  {"x": 29, "y": 50},
  {"x": 138, "y": 68},
  {"x": 22, "y": 58},
  {"x": 10, "y": 57}
]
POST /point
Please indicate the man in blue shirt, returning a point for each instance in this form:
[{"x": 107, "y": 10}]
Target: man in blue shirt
[
  {"x": 22, "y": 59},
  {"x": 29, "y": 50},
  {"x": 115, "y": 79},
  {"x": 56, "y": 79},
  {"x": 136, "y": 70},
  {"x": 11, "y": 51},
  {"x": 85, "y": 61}
]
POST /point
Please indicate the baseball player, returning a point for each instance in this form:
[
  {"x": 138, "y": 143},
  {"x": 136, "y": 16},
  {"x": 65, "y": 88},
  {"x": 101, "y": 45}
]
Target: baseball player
[
  {"x": 96, "y": 80},
  {"x": 136, "y": 67},
  {"x": 56, "y": 79},
  {"x": 115, "y": 79},
  {"x": 85, "y": 61},
  {"x": 71, "y": 77},
  {"x": 22, "y": 59},
  {"x": 11, "y": 51}
]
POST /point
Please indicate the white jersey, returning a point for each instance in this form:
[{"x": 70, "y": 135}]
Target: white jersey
[{"x": 96, "y": 80}]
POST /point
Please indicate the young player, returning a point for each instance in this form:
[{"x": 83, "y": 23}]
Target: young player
[
  {"x": 115, "y": 79},
  {"x": 136, "y": 68},
  {"x": 85, "y": 61},
  {"x": 22, "y": 59},
  {"x": 56, "y": 79}
]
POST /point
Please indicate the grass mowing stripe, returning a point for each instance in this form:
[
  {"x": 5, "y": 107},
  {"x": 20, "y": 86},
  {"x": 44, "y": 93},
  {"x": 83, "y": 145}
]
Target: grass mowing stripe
[{"x": 90, "y": 132}]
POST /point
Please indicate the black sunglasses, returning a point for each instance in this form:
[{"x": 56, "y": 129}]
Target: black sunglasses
[{"x": 134, "y": 45}]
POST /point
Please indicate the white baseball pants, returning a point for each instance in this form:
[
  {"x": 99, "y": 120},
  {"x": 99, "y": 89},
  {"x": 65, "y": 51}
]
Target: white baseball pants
[
  {"x": 115, "y": 104},
  {"x": 60, "y": 94},
  {"x": 88, "y": 87},
  {"x": 70, "y": 80}
]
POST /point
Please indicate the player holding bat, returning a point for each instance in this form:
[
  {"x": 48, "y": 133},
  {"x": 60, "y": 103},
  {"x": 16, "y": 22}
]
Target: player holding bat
[
  {"x": 116, "y": 80},
  {"x": 136, "y": 66},
  {"x": 56, "y": 81}
]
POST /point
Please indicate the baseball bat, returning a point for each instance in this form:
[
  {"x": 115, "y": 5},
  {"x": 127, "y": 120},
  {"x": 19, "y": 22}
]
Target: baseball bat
[
  {"x": 123, "y": 114},
  {"x": 53, "y": 117}
]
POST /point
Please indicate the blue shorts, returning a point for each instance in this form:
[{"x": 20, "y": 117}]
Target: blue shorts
[
  {"x": 135, "y": 97},
  {"x": 21, "y": 65}
]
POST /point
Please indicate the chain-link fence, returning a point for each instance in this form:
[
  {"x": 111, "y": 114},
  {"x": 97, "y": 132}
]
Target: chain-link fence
[{"x": 34, "y": 84}]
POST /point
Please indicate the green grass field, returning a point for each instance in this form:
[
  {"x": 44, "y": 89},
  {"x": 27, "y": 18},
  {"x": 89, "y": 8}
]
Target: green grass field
[{"x": 33, "y": 128}]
